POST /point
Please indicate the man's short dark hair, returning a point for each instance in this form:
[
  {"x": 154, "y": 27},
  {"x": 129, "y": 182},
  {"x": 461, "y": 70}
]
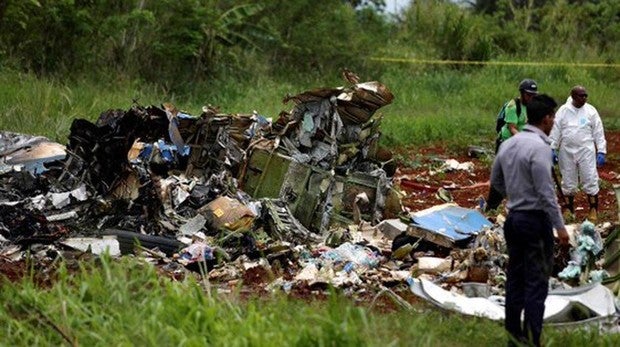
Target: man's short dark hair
[{"x": 540, "y": 106}]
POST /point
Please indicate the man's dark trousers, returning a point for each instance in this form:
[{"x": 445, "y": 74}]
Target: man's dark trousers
[{"x": 529, "y": 237}]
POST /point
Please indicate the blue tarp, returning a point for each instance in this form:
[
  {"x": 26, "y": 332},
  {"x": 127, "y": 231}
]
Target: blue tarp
[{"x": 450, "y": 220}]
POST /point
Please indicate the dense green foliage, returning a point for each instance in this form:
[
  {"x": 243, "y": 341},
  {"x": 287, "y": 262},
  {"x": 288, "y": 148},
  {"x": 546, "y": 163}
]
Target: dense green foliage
[
  {"x": 128, "y": 303},
  {"x": 178, "y": 42}
]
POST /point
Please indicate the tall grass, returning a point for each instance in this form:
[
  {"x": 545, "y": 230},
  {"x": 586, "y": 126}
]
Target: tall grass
[
  {"x": 432, "y": 103},
  {"x": 458, "y": 107},
  {"x": 47, "y": 107}
]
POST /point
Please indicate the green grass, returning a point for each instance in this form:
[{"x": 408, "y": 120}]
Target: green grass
[
  {"x": 127, "y": 303},
  {"x": 47, "y": 107},
  {"x": 458, "y": 107},
  {"x": 431, "y": 104}
]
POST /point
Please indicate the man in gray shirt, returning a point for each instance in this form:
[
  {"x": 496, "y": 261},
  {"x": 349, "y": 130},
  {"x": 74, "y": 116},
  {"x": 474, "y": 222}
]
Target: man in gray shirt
[{"x": 522, "y": 173}]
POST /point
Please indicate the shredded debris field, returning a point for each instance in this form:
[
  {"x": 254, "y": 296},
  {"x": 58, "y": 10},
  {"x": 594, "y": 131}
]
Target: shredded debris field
[{"x": 301, "y": 203}]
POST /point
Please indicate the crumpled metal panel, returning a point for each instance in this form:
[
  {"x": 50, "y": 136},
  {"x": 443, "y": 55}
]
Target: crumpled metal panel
[
  {"x": 358, "y": 105},
  {"x": 317, "y": 197},
  {"x": 447, "y": 225},
  {"x": 592, "y": 301},
  {"x": 355, "y": 105},
  {"x": 27, "y": 152},
  {"x": 264, "y": 173},
  {"x": 283, "y": 225},
  {"x": 325, "y": 120},
  {"x": 271, "y": 174},
  {"x": 310, "y": 206}
]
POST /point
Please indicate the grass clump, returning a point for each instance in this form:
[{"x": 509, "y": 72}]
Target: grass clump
[{"x": 126, "y": 302}]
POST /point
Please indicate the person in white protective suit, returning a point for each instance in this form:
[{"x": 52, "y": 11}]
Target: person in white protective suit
[{"x": 579, "y": 146}]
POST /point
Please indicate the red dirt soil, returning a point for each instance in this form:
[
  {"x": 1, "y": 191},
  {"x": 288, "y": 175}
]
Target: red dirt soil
[{"x": 421, "y": 187}]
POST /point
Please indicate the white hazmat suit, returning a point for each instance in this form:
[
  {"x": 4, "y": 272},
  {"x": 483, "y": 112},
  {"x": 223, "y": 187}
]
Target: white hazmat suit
[{"x": 577, "y": 136}]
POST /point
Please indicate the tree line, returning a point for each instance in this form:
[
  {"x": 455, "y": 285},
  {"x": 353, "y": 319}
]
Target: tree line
[{"x": 196, "y": 40}]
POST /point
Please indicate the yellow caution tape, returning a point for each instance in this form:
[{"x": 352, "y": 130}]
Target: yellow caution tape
[{"x": 505, "y": 63}]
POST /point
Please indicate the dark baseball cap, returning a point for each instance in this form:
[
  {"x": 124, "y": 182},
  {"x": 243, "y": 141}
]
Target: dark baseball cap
[{"x": 528, "y": 86}]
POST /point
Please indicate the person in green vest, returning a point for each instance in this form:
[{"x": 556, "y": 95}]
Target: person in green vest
[{"x": 515, "y": 118}]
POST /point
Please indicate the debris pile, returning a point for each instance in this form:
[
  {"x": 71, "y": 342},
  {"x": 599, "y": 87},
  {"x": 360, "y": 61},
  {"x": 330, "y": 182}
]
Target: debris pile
[
  {"x": 305, "y": 201},
  {"x": 237, "y": 183}
]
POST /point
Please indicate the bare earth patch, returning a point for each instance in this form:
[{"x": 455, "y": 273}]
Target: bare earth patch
[{"x": 468, "y": 186}]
